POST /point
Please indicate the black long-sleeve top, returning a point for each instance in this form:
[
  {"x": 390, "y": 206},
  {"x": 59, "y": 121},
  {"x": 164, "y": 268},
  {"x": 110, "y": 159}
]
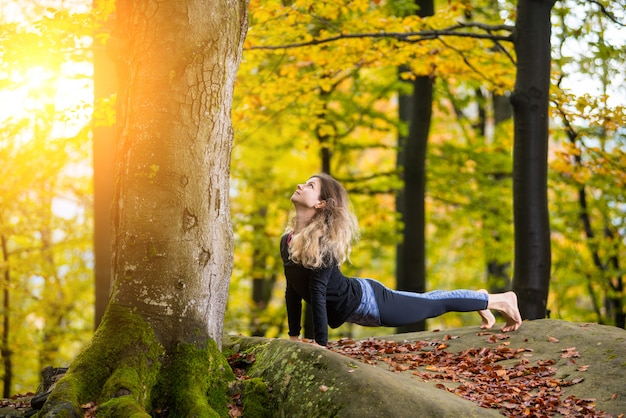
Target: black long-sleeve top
[{"x": 333, "y": 297}]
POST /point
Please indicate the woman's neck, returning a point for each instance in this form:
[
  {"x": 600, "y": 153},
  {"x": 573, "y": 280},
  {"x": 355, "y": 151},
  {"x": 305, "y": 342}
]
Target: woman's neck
[{"x": 303, "y": 217}]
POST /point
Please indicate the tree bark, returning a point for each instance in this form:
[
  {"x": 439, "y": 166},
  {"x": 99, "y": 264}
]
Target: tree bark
[
  {"x": 530, "y": 101},
  {"x": 5, "y": 348},
  {"x": 157, "y": 347},
  {"x": 173, "y": 249},
  {"x": 416, "y": 110}
]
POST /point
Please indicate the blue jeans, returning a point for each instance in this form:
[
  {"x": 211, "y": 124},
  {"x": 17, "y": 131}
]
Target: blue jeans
[
  {"x": 394, "y": 308},
  {"x": 366, "y": 313}
]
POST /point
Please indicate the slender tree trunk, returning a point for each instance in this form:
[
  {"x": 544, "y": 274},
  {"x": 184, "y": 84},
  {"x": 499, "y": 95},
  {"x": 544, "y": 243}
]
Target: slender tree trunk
[
  {"x": 416, "y": 110},
  {"x": 498, "y": 276},
  {"x": 103, "y": 171},
  {"x": 262, "y": 280},
  {"x": 53, "y": 297},
  {"x": 7, "y": 354},
  {"x": 530, "y": 102},
  {"x": 609, "y": 269}
]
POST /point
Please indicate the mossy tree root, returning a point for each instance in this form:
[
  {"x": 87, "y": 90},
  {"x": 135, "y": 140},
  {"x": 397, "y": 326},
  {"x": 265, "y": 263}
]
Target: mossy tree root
[
  {"x": 126, "y": 372},
  {"x": 194, "y": 382}
]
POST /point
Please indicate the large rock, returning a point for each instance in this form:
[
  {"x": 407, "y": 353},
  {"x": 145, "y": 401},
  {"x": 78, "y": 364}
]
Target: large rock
[{"x": 311, "y": 381}]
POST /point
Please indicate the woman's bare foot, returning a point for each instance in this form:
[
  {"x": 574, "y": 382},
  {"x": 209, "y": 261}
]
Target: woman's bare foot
[
  {"x": 506, "y": 304},
  {"x": 488, "y": 320}
]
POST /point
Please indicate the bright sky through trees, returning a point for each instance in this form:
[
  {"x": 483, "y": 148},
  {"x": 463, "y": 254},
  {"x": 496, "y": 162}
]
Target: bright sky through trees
[
  {"x": 580, "y": 82},
  {"x": 46, "y": 89},
  {"x": 37, "y": 81}
]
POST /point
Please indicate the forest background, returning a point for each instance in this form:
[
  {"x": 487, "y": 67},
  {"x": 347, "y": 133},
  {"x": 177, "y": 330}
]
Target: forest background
[{"x": 301, "y": 109}]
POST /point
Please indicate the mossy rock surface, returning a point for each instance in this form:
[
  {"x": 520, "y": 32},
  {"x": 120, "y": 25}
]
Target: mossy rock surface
[{"x": 311, "y": 381}]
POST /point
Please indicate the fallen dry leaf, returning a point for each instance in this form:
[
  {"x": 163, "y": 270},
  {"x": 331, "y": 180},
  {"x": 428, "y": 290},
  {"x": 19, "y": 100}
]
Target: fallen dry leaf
[{"x": 569, "y": 352}]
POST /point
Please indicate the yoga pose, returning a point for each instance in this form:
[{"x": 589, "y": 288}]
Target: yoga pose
[{"x": 319, "y": 240}]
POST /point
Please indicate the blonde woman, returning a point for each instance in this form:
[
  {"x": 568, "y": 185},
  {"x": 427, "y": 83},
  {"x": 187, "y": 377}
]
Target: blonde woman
[{"x": 319, "y": 240}]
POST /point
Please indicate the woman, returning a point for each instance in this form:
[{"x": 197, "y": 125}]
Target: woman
[{"x": 319, "y": 241}]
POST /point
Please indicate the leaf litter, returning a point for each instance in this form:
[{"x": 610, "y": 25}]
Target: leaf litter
[
  {"x": 518, "y": 388},
  {"x": 497, "y": 377}
]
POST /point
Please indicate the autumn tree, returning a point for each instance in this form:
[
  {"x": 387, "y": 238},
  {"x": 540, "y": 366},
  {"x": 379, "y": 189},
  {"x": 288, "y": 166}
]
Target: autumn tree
[
  {"x": 415, "y": 109},
  {"x": 587, "y": 180},
  {"x": 157, "y": 345},
  {"x": 45, "y": 194}
]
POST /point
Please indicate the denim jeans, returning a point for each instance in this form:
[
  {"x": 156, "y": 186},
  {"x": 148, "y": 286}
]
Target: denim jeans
[{"x": 367, "y": 313}]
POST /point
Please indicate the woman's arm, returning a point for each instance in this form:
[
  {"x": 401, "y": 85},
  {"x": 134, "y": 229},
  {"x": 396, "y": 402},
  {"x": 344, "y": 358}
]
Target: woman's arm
[
  {"x": 294, "y": 311},
  {"x": 317, "y": 289}
]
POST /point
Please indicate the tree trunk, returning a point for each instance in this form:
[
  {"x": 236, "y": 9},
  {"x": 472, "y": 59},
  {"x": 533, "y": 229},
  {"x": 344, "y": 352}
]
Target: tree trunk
[
  {"x": 172, "y": 256},
  {"x": 104, "y": 83},
  {"x": 416, "y": 110},
  {"x": 530, "y": 101},
  {"x": 498, "y": 277},
  {"x": 157, "y": 345},
  {"x": 5, "y": 349},
  {"x": 262, "y": 280}
]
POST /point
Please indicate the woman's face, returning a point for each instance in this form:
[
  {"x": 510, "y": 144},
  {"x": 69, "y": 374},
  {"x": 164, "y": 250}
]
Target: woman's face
[{"x": 307, "y": 194}]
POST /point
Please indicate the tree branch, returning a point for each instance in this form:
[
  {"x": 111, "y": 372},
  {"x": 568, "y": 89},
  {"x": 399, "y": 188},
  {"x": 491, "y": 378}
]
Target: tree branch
[
  {"x": 410, "y": 37},
  {"x": 606, "y": 12}
]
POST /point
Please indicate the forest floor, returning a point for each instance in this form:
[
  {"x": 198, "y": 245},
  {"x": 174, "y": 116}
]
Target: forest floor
[
  {"x": 15, "y": 406},
  {"x": 547, "y": 368}
]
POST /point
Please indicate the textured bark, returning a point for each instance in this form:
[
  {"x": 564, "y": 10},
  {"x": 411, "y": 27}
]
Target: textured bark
[
  {"x": 416, "y": 110},
  {"x": 157, "y": 348},
  {"x": 173, "y": 245},
  {"x": 530, "y": 101}
]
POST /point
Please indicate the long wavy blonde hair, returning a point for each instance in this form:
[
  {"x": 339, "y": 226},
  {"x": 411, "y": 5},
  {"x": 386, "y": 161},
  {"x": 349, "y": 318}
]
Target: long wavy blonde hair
[{"x": 328, "y": 237}]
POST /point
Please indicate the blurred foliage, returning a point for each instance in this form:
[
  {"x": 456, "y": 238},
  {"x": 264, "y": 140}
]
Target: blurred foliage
[{"x": 46, "y": 192}]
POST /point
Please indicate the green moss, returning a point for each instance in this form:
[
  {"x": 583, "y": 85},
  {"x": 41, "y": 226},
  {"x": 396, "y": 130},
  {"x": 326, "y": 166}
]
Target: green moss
[
  {"x": 107, "y": 361},
  {"x": 123, "y": 381},
  {"x": 194, "y": 382},
  {"x": 123, "y": 406},
  {"x": 285, "y": 366},
  {"x": 64, "y": 398},
  {"x": 256, "y": 400},
  {"x": 128, "y": 373}
]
